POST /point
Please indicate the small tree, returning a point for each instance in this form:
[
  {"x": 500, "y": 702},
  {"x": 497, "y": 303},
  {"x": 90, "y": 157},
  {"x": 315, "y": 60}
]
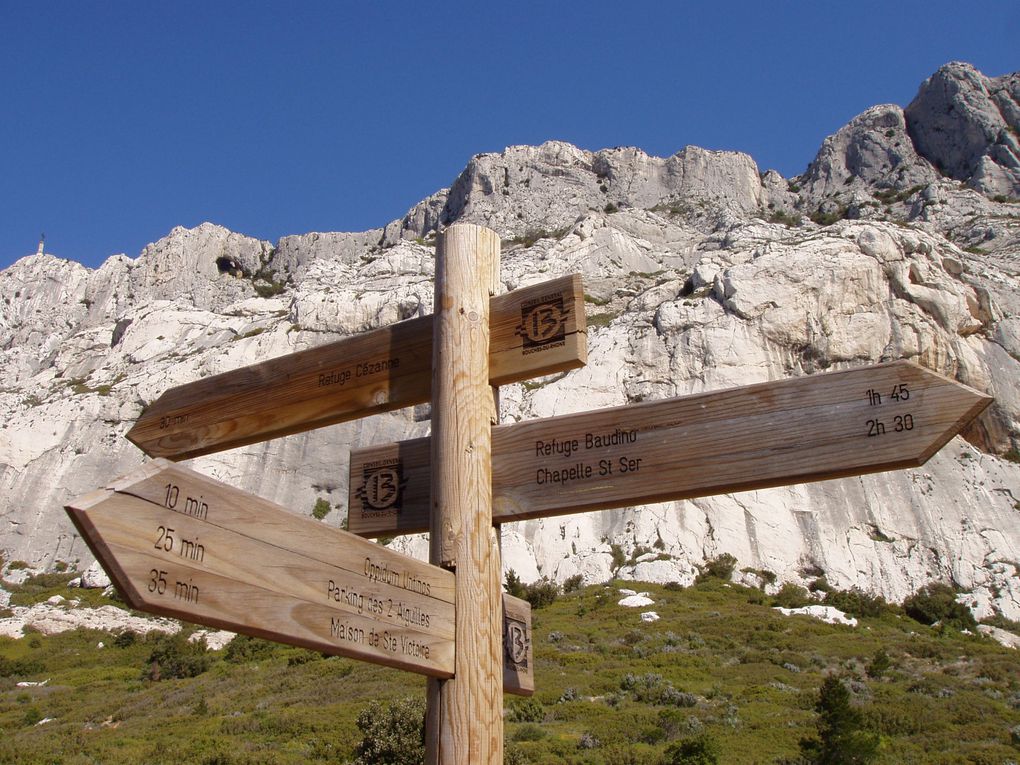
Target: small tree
[
  {"x": 879, "y": 664},
  {"x": 842, "y": 738},
  {"x": 514, "y": 586}
]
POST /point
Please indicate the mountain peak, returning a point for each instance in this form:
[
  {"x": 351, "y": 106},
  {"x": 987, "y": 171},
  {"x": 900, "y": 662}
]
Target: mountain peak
[{"x": 968, "y": 125}]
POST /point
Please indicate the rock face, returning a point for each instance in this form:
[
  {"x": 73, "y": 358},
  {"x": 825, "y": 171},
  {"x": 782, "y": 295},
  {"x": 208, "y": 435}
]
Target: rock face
[
  {"x": 525, "y": 189},
  {"x": 701, "y": 273},
  {"x": 968, "y": 126},
  {"x": 873, "y": 151}
]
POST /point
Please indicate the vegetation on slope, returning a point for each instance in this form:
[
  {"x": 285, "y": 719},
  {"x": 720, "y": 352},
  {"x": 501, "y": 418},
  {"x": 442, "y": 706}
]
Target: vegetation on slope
[{"x": 721, "y": 677}]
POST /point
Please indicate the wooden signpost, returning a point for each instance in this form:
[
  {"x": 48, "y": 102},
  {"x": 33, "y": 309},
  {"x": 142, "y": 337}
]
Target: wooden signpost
[
  {"x": 180, "y": 544},
  {"x": 534, "y": 331},
  {"x": 862, "y": 420}
]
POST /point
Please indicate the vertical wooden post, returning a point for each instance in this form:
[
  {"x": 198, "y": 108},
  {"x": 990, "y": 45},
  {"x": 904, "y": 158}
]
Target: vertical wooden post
[{"x": 465, "y": 714}]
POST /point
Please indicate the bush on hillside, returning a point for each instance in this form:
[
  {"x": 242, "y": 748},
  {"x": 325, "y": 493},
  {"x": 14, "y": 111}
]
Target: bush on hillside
[
  {"x": 791, "y": 595},
  {"x": 720, "y": 567},
  {"x": 393, "y": 734},
  {"x": 244, "y": 648},
  {"x": 856, "y": 602},
  {"x": 538, "y": 594},
  {"x": 174, "y": 657},
  {"x": 698, "y": 750},
  {"x": 936, "y": 602},
  {"x": 573, "y": 583},
  {"x": 525, "y": 710}
]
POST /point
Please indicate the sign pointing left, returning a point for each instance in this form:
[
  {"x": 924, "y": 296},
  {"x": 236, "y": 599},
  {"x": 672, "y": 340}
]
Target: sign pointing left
[
  {"x": 180, "y": 544},
  {"x": 535, "y": 330}
]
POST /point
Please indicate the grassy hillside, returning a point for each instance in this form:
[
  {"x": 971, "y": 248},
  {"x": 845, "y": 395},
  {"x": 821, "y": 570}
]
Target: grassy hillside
[{"x": 721, "y": 666}]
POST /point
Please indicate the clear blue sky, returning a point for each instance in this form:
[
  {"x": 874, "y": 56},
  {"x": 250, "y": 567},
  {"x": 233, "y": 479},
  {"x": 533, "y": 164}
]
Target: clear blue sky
[{"x": 122, "y": 120}]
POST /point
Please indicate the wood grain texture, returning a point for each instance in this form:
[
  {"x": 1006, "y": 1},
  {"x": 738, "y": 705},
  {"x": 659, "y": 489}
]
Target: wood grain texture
[
  {"x": 180, "y": 544},
  {"x": 467, "y": 709},
  {"x": 535, "y": 330},
  {"x": 864, "y": 420}
]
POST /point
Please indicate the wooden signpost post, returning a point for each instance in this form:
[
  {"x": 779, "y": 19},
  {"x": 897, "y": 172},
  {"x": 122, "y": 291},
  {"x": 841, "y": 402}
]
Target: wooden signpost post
[
  {"x": 465, "y": 713},
  {"x": 862, "y": 420},
  {"x": 180, "y": 544},
  {"x": 534, "y": 331}
]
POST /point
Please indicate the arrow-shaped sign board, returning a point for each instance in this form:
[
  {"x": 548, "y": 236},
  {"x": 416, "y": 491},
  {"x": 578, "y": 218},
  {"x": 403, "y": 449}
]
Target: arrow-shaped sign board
[
  {"x": 179, "y": 544},
  {"x": 813, "y": 428},
  {"x": 534, "y": 331}
]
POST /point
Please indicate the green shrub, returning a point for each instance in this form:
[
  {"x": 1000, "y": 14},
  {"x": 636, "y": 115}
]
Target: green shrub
[
  {"x": 791, "y": 595},
  {"x": 823, "y": 218},
  {"x": 650, "y": 688},
  {"x": 174, "y": 657},
  {"x": 618, "y": 555},
  {"x": 269, "y": 289},
  {"x": 19, "y": 667},
  {"x": 528, "y": 732},
  {"x": 245, "y": 648},
  {"x": 699, "y": 750},
  {"x": 513, "y": 755},
  {"x": 936, "y": 602},
  {"x": 393, "y": 734},
  {"x": 125, "y": 639},
  {"x": 766, "y": 576},
  {"x": 821, "y": 585},
  {"x": 541, "y": 593},
  {"x": 38, "y": 588},
  {"x": 573, "y": 583},
  {"x": 538, "y": 594},
  {"x": 525, "y": 710},
  {"x": 720, "y": 567},
  {"x": 322, "y": 509},
  {"x": 1000, "y": 621},
  {"x": 788, "y": 219},
  {"x": 857, "y": 603}
]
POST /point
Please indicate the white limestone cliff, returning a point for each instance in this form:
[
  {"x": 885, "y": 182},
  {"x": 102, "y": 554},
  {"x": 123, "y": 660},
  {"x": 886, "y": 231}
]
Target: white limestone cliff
[{"x": 697, "y": 279}]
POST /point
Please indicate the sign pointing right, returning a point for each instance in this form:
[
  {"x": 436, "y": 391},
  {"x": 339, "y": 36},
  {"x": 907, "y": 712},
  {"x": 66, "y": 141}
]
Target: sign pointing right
[{"x": 814, "y": 428}]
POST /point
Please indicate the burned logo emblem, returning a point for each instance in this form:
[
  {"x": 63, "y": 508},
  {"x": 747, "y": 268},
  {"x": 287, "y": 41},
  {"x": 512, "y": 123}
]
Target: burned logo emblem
[
  {"x": 516, "y": 644},
  {"x": 382, "y": 486},
  {"x": 543, "y": 323}
]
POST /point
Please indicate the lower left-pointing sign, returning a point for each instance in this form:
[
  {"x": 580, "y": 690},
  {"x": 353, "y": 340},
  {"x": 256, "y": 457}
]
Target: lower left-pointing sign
[{"x": 179, "y": 544}]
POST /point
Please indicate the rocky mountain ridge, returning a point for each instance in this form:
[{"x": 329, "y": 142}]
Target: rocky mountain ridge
[{"x": 900, "y": 240}]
